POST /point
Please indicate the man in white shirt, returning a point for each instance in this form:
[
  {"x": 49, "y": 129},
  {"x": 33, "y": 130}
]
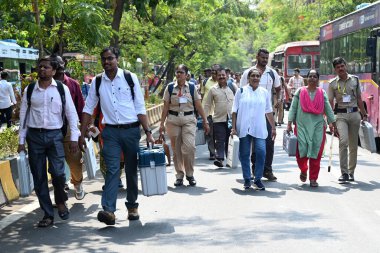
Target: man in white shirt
[
  {"x": 269, "y": 78},
  {"x": 123, "y": 108},
  {"x": 7, "y": 99},
  {"x": 41, "y": 122},
  {"x": 296, "y": 81}
]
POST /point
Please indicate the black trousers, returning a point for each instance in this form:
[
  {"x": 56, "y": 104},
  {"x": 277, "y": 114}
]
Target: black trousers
[
  {"x": 269, "y": 152},
  {"x": 221, "y": 137},
  {"x": 6, "y": 116},
  {"x": 42, "y": 145}
]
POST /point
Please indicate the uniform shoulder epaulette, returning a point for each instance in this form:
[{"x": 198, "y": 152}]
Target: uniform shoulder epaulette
[{"x": 333, "y": 80}]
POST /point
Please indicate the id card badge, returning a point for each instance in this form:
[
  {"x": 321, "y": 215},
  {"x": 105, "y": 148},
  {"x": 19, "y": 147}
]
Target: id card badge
[
  {"x": 183, "y": 100},
  {"x": 346, "y": 98}
]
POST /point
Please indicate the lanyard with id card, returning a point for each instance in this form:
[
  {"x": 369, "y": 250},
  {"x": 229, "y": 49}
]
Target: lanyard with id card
[
  {"x": 346, "y": 98},
  {"x": 182, "y": 99}
]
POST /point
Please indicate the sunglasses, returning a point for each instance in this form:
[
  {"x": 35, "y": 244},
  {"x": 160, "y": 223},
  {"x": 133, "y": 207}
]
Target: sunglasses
[
  {"x": 313, "y": 76},
  {"x": 254, "y": 75}
]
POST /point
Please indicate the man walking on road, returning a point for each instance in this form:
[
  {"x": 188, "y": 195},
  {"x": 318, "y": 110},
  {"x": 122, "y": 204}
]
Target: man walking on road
[
  {"x": 7, "y": 99},
  {"x": 42, "y": 118},
  {"x": 345, "y": 89},
  {"x": 269, "y": 78},
  {"x": 220, "y": 99},
  {"x": 211, "y": 82},
  {"x": 296, "y": 82},
  {"x": 123, "y": 109},
  {"x": 73, "y": 159}
]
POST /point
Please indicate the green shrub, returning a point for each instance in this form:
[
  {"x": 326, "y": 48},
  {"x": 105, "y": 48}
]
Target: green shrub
[{"x": 8, "y": 142}]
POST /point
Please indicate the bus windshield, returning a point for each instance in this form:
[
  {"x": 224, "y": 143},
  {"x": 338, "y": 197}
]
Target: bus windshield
[{"x": 303, "y": 62}]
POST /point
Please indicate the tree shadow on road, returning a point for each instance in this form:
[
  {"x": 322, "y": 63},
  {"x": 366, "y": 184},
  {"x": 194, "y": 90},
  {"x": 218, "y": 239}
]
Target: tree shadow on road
[{"x": 191, "y": 190}]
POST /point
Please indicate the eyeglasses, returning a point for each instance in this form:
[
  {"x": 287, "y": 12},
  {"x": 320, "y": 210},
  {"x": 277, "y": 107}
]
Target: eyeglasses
[
  {"x": 313, "y": 76},
  {"x": 180, "y": 72},
  {"x": 108, "y": 58},
  {"x": 254, "y": 75}
]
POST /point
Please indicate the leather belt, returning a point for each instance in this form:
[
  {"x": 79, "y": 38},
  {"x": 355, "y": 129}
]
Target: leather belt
[
  {"x": 346, "y": 110},
  {"x": 181, "y": 113},
  {"x": 125, "y": 126},
  {"x": 42, "y": 129}
]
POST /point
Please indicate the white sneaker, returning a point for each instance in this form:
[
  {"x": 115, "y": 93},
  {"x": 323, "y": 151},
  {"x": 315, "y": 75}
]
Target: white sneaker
[{"x": 79, "y": 192}]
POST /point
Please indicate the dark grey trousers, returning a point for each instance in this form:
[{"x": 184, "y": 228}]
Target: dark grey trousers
[
  {"x": 41, "y": 145},
  {"x": 221, "y": 136},
  {"x": 210, "y": 137}
]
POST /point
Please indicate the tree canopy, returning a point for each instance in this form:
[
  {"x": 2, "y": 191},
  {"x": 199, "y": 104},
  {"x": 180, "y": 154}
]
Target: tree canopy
[{"x": 197, "y": 33}]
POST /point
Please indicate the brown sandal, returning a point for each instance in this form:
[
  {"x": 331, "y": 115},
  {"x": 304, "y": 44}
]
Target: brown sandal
[
  {"x": 303, "y": 177},
  {"x": 45, "y": 222}
]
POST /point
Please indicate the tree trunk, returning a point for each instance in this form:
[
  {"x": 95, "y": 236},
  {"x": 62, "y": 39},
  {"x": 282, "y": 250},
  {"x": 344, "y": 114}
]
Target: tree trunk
[
  {"x": 36, "y": 11},
  {"x": 117, "y": 15}
]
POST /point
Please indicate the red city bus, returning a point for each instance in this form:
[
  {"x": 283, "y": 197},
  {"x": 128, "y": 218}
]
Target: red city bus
[
  {"x": 299, "y": 54},
  {"x": 355, "y": 38}
]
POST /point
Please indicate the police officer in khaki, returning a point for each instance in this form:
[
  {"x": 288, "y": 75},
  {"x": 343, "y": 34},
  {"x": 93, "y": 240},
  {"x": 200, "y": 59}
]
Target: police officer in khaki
[
  {"x": 181, "y": 124},
  {"x": 345, "y": 89}
]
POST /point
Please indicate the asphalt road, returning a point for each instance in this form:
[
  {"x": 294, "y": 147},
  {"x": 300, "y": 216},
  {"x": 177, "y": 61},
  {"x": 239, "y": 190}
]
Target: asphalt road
[{"x": 217, "y": 215}]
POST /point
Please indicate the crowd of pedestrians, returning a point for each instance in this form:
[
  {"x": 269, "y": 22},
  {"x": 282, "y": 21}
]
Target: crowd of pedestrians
[{"x": 55, "y": 120}]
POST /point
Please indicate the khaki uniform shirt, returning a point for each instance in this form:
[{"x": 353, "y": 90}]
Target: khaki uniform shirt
[
  {"x": 339, "y": 88},
  {"x": 174, "y": 104},
  {"x": 220, "y": 100},
  {"x": 209, "y": 84}
]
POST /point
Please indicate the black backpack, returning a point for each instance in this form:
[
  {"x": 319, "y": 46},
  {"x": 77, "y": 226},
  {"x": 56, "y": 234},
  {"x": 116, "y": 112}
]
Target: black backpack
[{"x": 61, "y": 90}]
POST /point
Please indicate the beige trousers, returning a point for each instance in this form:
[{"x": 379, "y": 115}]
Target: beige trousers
[
  {"x": 181, "y": 131},
  {"x": 74, "y": 160},
  {"x": 348, "y": 127}
]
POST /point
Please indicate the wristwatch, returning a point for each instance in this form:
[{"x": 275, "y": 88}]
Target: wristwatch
[{"x": 148, "y": 131}]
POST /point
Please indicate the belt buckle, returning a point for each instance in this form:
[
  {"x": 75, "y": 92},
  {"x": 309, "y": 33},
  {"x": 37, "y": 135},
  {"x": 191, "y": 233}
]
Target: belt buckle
[
  {"x": 349, "y": 110},
  {"x": 181, "y": 114}
]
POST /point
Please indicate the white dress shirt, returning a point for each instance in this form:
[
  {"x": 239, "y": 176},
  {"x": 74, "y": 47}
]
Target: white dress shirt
[
  {"x": 251, "y": 107},
  {"x": 116, "y": 99},
  {"x": 266, "y": 81},
  {"x": 46, "y": 111},
  {"x": 7, "y": 96}
]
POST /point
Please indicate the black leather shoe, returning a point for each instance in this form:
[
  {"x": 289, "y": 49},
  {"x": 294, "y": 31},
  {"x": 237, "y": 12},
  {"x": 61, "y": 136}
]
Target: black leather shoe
[
  {"x": 343, "y": 178},
  {"x": 269, "y": 176},
  {"x": 351, "y": 177},
  {"x": 218, "y": 163},
  {"x": 178, "y": 182},
  {"x": 191, "y": 180}
]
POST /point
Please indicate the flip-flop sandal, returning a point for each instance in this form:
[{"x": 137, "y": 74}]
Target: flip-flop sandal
[
  {"x": 64, "y": 215},
  {"x": 45, "y": 222},
  {"x": 303, "y": 177}
]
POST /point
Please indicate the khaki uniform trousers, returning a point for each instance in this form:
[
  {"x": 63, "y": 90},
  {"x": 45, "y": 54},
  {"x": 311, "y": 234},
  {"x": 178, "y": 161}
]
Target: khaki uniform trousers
[
  {"x": 74, "y": 160},
  {"x": 181, "y": 131},
  {"x": 348, "y": 126}
]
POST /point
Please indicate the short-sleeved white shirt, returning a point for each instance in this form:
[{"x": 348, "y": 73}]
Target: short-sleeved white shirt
[{"x": 251, "y": 107}]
